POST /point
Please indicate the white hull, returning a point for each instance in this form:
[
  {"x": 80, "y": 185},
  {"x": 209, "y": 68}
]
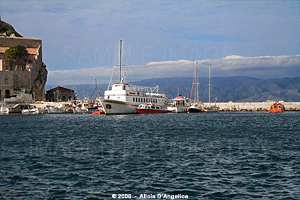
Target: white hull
[
  {"x": 80, "y": 111},
  {"x": 31, "y": 112},
  {"x": 178, "y": 109},
  {"x": 58, "y": 111},
  {"x": 113, "y": 107},
  {"x": 4, "y": 110}
]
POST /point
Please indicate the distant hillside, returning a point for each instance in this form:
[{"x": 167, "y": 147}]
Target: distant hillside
[
  {"x": 7, "y": 29},
  {"x": 238, "y": 89}
]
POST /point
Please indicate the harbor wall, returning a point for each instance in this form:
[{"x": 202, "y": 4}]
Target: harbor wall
[{"x": 253, "y": 106}]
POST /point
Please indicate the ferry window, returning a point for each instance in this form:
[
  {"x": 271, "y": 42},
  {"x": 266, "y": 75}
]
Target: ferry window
[
  {"x": 108, "y": 106},
  {"x": 139, "y": 100},
  {"x": 133, "y": 99}
]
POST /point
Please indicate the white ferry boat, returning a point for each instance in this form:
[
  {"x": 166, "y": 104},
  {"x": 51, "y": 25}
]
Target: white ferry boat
[{"x": 123, "y": 98}]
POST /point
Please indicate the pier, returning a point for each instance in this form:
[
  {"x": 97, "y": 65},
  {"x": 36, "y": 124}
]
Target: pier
[{"x": 252, "y": 106}]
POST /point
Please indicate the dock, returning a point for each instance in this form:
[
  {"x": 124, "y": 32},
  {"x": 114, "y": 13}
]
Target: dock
[{"x": 252, "y": 106}]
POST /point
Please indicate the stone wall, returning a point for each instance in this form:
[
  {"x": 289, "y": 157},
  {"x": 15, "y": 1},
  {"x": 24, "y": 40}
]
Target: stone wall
[
  {"x": 34, "y": 78},
  {"x": 26, "y": 42}
]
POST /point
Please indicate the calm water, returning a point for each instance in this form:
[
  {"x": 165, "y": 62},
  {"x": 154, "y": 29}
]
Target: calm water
[{"x": 202, "y": 156}]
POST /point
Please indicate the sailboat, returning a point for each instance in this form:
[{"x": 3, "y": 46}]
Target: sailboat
[
  {"x": 211, "y": 108},
  {"x": 123, "y": 98},
  {"x": 196, "y": 106}
]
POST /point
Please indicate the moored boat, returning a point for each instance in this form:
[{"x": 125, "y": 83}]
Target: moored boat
[
  {"x": 180, "y": 104},
  {"x": 99, "y": 111},
  {"x": 196, "y": 106},
  {"x": 276, "y": 108},
  {"x": 196, "y": 109},
  {"x": 150, "y": 108},
  {"x": 123, "y": 98},
  {"x": 59, "y": 108},
  {"x": 4, "y": 110},
  {"x": 31, "y": 110},
  {"x": 81, "y": 107}
]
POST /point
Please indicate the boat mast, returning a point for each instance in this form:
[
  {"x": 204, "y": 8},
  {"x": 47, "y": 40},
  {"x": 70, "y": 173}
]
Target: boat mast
[
  {"x": 197, "y": 83},
  {"x": 209, "y": 84},
  {"x": 120, "y": 61}
]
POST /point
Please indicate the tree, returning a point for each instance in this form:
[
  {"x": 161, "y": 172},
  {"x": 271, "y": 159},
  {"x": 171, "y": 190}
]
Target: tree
[{"x": 18, "y": 56}]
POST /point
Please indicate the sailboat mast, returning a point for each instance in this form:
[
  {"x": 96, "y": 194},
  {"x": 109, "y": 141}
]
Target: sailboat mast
[
  {"x": 120, "y": 61},
  {"x": 197, "y": 83},
  {"x": 209, "y": 84}
]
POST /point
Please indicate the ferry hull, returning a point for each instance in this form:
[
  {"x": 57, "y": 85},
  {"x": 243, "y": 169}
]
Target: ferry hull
[{"x": 113, "y": 107}]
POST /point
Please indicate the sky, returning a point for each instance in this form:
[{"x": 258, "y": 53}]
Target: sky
[{"x": 161, "y": 38}]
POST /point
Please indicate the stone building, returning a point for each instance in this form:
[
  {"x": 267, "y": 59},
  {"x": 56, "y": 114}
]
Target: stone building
[
  {"x": 30, "y": 78},
  {"x": 59, "y": 94}
]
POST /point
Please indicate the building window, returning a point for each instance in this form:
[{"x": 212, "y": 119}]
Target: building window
[
  {"x": 64, "y": 98},
  {"x": 6, "y": 81},
  {"x": 7, "y": 93}
]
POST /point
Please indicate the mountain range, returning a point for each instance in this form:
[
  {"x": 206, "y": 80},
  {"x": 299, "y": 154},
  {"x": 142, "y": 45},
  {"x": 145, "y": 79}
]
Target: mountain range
[{"x": 223, "y": 89}]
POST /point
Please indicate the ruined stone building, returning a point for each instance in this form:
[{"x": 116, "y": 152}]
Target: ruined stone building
[
  {"x": 59, "y": 94},
  {"x": 29, "y": 78}
]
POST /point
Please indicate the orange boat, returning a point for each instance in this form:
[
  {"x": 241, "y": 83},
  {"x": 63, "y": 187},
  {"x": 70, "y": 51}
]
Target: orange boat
[
  {"x": 276, "y": 108},
  {"x": 99, "y": 111}
]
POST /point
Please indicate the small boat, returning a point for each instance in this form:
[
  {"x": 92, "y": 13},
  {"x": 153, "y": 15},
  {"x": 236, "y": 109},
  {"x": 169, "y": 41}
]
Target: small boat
[
  {"x": 81, "y": 107},
  {"x": 180, "y": 104},
  {"x": 4, "y": 110},
  {"x": 196, "y": 109},
  {"x": 276, "y": 108},
  {"x": 31, "y": 110},
  {"x": 60, "y": 108},
  {"x": 150, "y": 108},
  {"x": 99, "y": 111}
]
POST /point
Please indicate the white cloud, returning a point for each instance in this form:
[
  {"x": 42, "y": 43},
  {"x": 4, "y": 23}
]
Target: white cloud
[
  {"x": 156, "y": 30},
  {"x": 261, "y": 67}
]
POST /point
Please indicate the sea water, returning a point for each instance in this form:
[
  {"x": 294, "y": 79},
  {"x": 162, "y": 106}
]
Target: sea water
[{"x": 161, "y": 156}]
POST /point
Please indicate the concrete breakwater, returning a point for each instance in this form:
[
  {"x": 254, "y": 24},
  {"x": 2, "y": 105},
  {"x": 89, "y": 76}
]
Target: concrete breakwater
[{"x": 252, "y": 106}]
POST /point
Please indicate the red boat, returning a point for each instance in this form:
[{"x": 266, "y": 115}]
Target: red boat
[
  {"x": 150, "y": 109},
  {"x": 276, "y": 108},
  {"x": 99, "y": 111}
]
